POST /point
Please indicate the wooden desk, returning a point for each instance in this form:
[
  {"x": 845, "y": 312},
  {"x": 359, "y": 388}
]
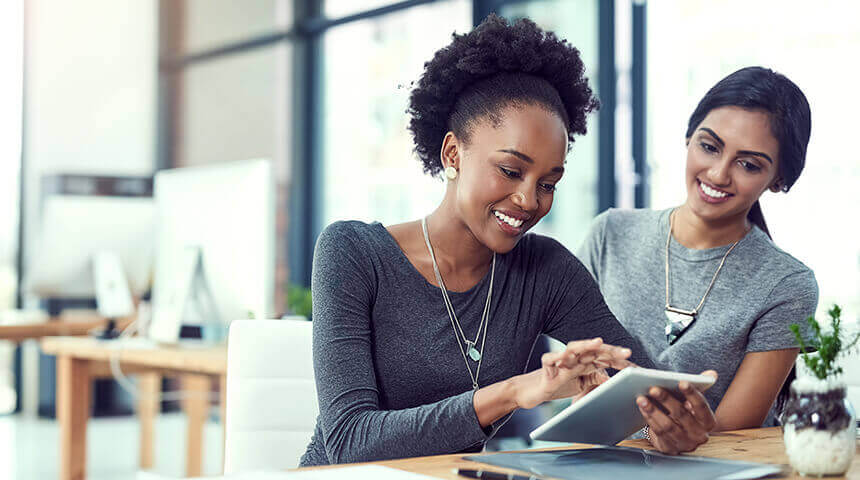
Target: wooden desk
[
  {"x": 75, "y": 324},
  {"x": 81, "y": 323},
  {"x": 79, "y": 358},
  {"x": 757, "y": 445}
]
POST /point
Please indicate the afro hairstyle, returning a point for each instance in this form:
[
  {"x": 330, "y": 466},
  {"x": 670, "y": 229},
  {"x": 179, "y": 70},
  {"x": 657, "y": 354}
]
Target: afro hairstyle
[{"x": 496, "y": 65}]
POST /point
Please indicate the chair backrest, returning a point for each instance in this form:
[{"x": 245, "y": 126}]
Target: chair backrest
[{"x": 271, "y": 395}]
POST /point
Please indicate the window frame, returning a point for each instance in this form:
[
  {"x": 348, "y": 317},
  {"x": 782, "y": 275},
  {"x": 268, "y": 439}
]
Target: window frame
[{"x": 306, "y": 194}]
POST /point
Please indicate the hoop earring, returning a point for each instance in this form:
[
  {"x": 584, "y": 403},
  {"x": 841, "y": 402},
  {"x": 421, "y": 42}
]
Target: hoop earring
[{"x": 450, "y": 172}]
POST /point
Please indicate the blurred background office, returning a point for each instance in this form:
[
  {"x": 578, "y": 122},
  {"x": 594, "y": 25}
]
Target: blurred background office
[{"x": 129, "y": 88}]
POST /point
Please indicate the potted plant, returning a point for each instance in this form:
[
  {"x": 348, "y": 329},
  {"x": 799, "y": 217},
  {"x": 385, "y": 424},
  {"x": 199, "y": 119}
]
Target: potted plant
[
  {"x": 818, "y": 421},
  {"x": 299, "y": 302}
]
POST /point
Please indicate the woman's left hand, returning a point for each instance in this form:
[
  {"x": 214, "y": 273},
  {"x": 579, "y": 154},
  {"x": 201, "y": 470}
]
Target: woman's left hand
[{"x": 675, "y": 425}]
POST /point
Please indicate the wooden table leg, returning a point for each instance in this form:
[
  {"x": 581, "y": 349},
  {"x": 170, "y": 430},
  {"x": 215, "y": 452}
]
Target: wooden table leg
[
  {"x": 73, "y": 410},
  {"x": 223, "y": 408},
  {"x": 196, "y": 406},
  {"x": 148, "y": 408}
]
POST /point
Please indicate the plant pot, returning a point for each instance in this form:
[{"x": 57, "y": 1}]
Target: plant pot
[{"x": 819, "y": 427}]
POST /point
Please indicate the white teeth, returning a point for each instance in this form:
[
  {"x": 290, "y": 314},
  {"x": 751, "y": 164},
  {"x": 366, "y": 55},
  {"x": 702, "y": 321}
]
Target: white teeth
[
  {"x": 509, "y": 220},
  {"x": 711, "y": 192}
]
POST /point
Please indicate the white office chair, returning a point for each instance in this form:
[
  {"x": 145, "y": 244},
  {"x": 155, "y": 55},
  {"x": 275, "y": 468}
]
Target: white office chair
[{"x": 271, "y": 395}]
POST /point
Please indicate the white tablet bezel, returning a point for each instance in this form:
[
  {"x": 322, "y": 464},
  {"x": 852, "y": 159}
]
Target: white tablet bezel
[{"x": 609, "y": 414}]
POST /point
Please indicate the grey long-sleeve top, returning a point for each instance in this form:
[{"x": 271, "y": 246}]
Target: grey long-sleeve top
[{"x": 391, "y": 380}]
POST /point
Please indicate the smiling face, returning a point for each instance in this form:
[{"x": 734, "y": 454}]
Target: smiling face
[
  {"x": 732, "y": 158},
  {"x": 507, "y": 173}
]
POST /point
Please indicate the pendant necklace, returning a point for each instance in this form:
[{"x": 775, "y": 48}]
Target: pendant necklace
[
  {"x": 467, "y": 347},
  {"x": 677, "y": 319}
]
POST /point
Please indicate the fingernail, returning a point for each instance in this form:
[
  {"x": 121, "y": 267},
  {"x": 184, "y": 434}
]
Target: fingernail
[
  {"x": 684, "y": 385},
  {"x": 625, "y": 351},
  {"x": 689, "y": 406}
]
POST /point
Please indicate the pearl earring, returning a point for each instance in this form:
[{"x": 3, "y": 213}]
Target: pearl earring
[{"x": 450, "y": 172}]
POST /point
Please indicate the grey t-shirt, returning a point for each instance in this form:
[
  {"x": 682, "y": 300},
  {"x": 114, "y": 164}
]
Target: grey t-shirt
[
  {"x": 391, "y": 380},
  {"x": 759, "y": 292}
]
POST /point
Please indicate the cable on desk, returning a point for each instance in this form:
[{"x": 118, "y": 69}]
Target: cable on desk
[{"x": 131, "y": 388}]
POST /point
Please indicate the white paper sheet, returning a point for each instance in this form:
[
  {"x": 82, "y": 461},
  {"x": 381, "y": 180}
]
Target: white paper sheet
[{"x": 362, "y": 472}]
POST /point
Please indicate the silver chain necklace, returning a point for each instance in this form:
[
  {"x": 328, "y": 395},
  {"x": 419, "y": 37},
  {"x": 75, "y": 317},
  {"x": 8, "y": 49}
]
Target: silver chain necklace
[
  {"x": 466, "y": 346},
  {"x": 677, "y": 319}
]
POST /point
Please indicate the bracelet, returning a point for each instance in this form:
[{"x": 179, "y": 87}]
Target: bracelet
[{"x": 646, "y": 432}]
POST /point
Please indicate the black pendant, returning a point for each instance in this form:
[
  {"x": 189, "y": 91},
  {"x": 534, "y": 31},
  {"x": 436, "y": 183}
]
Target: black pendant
[{"x": 677, "y": 322}]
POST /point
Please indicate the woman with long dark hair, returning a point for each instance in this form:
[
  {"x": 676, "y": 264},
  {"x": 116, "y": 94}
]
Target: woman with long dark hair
[{"x": 703, "y": 285}]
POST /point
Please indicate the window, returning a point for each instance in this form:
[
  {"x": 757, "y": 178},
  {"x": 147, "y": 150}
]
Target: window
[
  {"x": 342, "y": 8},
  {"x": 575, "y": 202},
  {"x": 370, "y": 172},
  {"x": 354, "y": 67},
  {"x": 233, "y": 108},
  {"x": 214, "y": 23},
  {"x": 236, "y": 105}
]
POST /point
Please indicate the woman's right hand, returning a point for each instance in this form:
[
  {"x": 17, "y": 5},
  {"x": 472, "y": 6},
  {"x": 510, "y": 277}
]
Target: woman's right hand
[{"x": 576, "y": 369}]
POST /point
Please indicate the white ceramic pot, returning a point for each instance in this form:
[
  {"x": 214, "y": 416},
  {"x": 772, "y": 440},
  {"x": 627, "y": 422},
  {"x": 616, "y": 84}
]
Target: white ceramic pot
[{"x": 819, "y": 427}]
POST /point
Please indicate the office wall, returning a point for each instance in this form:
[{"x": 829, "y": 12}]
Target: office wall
[
  {"x": 90, "y": 92},
  {"x": 89, "y": 107},
  {"x": 236, "y": 106},
  {"x": 11, "y": 57}
]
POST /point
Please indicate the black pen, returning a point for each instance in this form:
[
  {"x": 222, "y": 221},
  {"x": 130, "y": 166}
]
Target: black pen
[{"x": 486, "y": 474}]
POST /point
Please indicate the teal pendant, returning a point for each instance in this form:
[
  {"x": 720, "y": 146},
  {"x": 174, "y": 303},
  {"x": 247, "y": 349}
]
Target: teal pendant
[{"x": 473, "y": 352}]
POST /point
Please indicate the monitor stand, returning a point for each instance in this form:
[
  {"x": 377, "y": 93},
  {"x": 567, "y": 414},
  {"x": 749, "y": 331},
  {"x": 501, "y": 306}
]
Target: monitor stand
[
  {"x": 190, "y": 296},
  {"x": 110, "y": 331},
  {"x": 113, "y": 297}
]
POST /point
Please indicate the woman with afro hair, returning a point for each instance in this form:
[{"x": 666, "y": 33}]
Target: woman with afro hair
[{"x": 423, "y": 330}]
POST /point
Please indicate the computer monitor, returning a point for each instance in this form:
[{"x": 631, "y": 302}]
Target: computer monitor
[
  {"x": 93, "y": 246},
  {"x": 215, "y": 241}
]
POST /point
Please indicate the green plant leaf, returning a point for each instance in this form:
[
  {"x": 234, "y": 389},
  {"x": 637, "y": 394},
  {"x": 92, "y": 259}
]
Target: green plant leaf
[
  {"x": 828, "y": 345},
  {"x": 299, "y": 301}
]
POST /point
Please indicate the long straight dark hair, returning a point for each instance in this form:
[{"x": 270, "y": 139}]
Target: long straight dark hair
[{"x": 758, "y": 88}]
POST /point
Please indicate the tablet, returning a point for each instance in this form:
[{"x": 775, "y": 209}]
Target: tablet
[{"x": 608, "y": 414}]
